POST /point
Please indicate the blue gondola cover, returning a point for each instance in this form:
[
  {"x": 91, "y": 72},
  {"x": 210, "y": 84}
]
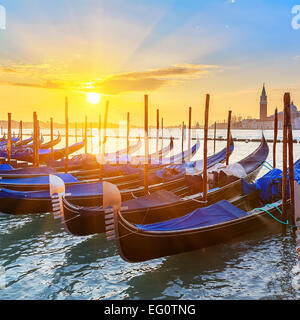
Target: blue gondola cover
[{"x": 217, "y": 213}]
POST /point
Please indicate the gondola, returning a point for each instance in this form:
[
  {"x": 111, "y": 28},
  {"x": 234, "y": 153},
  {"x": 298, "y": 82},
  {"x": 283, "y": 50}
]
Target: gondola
[
  {"x": 50, "y": 143},
  {"x": 21, "y": 146},
  {"x": 44, "y": 154},
  {"x": 89, "y": 194},
  {"x": 42, "y": 182},
  {"x": 116, "y": 164},
  {"x": 88, "y": 161},
  {"x": 201, "y": 228},
  {"x": 134, "y": 173},
  {"x": 137, "y": 243},
  {"x": 122, "y": 165},
  {"x": 23, "y": 143},
  {"x": 161, "y": 205},
  {"x": 40, "y": 143},
  {"x": 13, "y": 140},
  {"x": 109, "y": 171}
]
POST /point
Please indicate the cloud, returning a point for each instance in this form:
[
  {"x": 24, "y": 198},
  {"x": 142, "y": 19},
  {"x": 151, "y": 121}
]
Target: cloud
[{"x": 150, "y": 80}]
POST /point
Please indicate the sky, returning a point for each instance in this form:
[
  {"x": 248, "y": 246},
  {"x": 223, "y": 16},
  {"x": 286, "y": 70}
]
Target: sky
[{"x": 176, "y": 51}]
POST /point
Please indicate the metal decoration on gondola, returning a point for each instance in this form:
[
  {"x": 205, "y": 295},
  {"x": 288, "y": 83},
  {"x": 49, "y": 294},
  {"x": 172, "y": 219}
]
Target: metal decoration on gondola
[{"x": 57, "y": 191}]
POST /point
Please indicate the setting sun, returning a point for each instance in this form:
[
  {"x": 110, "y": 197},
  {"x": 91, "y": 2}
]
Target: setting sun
[{"x": 93, "y": 98}]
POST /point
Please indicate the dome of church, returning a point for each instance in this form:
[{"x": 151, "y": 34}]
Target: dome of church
[{"x": 293, "y": 107}]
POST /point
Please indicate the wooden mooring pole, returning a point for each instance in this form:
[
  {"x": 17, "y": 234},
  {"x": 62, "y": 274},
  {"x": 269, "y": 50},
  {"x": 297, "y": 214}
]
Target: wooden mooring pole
[
  {"x": 287, "y": 103},
  {"x": 105, "y": 127},
  {"x": 99, "y": 133},
  {"x": 21, "y": 132},
  {"x": 9, "y": 141},
  {"x": 215, "y": 136},
  {"x": 104, "y": 141},
  {"x": 157, "y": 129},
  {"x": 146, "y": 181},
  {"x": 85, "y": 136},
  {"x": 182, "y": 137},
  {"x": 228, "y": 137},
  {"x": 52, "y": 138},
  {"x": 34, "y": 140},
  {"x": 76, "y": 139},
  {"x": 275, "y": 137},
  {"x": 162, "y": 133},
  {"x": 291, "y": 166},
  {"x": 91, "y": 137},
  {"x": 67, "y": 134},
  {"x": 205, "y": 148},
  {"x": 128, "y": 132},
  {"x": 189, "y": 134}
]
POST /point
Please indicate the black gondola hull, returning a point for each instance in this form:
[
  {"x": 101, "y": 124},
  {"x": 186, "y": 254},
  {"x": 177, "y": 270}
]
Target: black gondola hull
[{"x": 135, "y": 245}]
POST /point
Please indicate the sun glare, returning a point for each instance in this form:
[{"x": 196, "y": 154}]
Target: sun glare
[{"x": 93, "y": 98}]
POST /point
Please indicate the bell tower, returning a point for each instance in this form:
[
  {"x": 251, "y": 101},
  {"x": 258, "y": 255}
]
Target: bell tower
[{"x": 263, "y": 105}]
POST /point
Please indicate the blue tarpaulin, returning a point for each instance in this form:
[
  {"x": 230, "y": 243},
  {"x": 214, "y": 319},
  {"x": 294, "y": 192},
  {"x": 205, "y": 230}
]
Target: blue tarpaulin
[
  {"x": 270, "y": 185},
  {"x": 66, "y": 177},
  {"x": 217, "y": 213},
  {"x": 4, "y": 167},
  {"x": 76, "y": 190}
]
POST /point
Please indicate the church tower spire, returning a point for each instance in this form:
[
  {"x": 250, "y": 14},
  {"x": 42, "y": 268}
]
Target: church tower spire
[{"x": 263, "y": 105}]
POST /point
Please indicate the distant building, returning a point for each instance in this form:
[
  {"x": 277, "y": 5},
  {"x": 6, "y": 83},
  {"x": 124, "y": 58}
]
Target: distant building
[
  {"x": 263, "y": 105},
  {"x": 264, "y": 122}
]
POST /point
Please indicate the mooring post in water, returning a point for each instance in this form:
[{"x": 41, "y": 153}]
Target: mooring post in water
[
  {"x": 105, "y": 127},
  {"x": 67, "y": 134},
  {"x": 182, "y": 137},
  {"x": 76, "y": 132},
  {"x": 162, "y": 139},
  {"x": 157, "y": 129},
  {"x": 162, "y": 132},
  {"x": 82, "y": 131},
  {"x": 85, "y": 135},
  {"x": 146, "y": 182},
  {"x": 104, "y": 140},
  {"x": 34, "y": 140},
  {"x": 215, "y": 136},
  {"x": 91, "y": 137},
  {"x": 228, "y": 137},
  {"x": 287, "y": 103},
  {"x": 291, "y": 166},
  {"x": 189, "y": 134},
  {"x": 9, "y": 138},
  {"x": 205, "y": 148},
  {"x": 128, "y": 132},
  {"x": 99, "y": 134},
  {"x": 275, "y": 137},
  {"x": 52, "y": 138},
  {"x": 21, "y": 133},
  {"x": 38, "y": 143}
]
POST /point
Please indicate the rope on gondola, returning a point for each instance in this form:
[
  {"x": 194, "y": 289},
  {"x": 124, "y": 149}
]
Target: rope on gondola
[
  {"x": 199, "y": 201},
  {"x": 269, "y": 168},
  {"x": 278, "y": 209}
]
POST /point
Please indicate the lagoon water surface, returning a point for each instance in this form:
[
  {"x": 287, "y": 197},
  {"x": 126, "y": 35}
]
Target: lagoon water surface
[{"x": 40, "y": 260}]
